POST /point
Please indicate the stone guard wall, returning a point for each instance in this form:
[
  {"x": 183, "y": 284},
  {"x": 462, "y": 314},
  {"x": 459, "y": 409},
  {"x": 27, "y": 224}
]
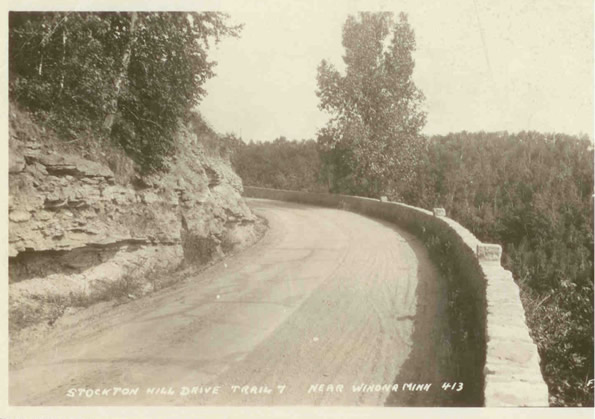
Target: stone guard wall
[{"x": 494, "y": 352}]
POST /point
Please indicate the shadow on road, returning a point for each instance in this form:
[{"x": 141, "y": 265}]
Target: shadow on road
[{"x": 432, "y": 359}]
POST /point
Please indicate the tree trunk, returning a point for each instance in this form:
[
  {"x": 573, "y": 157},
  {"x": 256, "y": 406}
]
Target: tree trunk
[
  {"x": 109, "y": 119},
  {"x": 63, "y": 60}
]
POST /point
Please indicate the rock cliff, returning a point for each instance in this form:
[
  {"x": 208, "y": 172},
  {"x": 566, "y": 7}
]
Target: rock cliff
[{"x": 79, "y": 233}]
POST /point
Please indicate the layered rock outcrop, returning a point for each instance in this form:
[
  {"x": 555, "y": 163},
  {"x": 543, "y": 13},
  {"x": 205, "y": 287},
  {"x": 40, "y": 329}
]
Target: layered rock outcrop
[{"x": 75, "y": 227}]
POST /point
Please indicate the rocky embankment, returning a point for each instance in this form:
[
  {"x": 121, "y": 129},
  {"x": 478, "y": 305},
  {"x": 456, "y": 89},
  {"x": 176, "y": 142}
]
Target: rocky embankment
[{"x": 78, "y": 233}]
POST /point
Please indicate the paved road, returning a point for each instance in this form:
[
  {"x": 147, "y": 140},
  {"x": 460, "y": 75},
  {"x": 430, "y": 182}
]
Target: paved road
[{"x": 326, "y": 297}]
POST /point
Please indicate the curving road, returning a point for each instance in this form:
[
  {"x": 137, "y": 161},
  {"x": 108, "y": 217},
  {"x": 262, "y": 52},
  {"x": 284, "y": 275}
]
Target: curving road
[{"x": 326, "y": 297}]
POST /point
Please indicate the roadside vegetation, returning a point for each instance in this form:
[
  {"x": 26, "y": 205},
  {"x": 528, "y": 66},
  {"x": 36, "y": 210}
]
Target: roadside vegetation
[
  {"x": 123, "y": 79},
  {"x": 531, "y": 192},
  {"x": 115, "y": 88},
  {"x": 126, "y": 81}
]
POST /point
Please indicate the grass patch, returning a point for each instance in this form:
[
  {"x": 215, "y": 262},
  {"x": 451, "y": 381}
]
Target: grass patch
[{"x": 49, "y": 308}]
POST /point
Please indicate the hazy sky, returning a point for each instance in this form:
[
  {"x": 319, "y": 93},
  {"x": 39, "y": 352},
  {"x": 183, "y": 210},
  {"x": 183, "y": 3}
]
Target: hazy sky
[{"x": 482, "y": 64}]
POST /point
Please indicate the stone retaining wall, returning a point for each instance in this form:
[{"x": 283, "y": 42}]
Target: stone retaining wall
[{"x": 495, "y": 352}]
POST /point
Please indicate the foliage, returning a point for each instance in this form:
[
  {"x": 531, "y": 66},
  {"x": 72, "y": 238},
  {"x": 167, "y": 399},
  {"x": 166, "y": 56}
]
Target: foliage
[
  {"x": 371, "y": 142},
  {"x": 530, "y": 192},
  {"x": 142, "y": 72},
  {"x": 281, "y": 164}
]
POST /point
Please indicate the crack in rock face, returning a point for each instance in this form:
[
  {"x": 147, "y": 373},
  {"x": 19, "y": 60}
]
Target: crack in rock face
[{"x": 74, "y": 223}]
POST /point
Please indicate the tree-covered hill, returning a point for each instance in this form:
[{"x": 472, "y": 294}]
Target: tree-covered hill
[
  {"x": 530, "y": 192},
  {"x": 533, "y": 194},
  {"x": 280, "y": 164}
]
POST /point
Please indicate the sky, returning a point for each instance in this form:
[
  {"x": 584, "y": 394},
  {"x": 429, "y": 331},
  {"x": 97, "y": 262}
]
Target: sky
[{"x": 483, "y": 65}]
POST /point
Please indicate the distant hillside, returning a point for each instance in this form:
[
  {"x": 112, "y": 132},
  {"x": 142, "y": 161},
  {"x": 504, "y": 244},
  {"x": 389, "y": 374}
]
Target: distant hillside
[
  {"x": 281, "y": 164},
  {"x": 530, "y": 192}
]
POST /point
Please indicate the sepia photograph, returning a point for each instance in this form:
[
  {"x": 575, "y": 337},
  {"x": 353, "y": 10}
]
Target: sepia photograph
[{"x": 359, "y": 206}]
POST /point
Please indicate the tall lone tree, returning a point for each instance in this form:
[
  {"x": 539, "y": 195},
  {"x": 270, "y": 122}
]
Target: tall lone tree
[{"x": 372, "y": 141}]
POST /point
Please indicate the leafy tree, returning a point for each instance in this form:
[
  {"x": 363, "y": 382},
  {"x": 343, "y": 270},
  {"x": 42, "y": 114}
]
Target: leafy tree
[
  {"x": 372, "y": 143},
  {"x": 127, "y": 76}
]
